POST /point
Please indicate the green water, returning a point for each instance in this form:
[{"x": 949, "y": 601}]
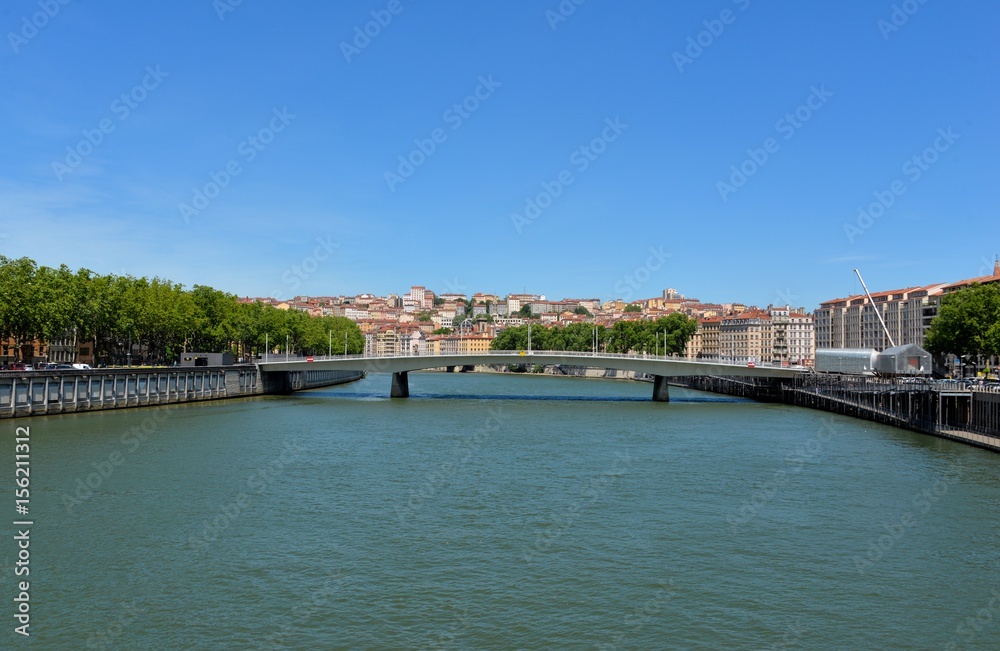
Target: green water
[{"x": 502, "y": 512}]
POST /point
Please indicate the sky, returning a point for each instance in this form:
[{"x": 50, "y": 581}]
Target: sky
[{"x": 735, "y": 150}]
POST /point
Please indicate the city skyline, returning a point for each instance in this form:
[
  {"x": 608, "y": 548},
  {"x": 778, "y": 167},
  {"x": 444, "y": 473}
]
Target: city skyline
[{"x": 734, "y": 150}]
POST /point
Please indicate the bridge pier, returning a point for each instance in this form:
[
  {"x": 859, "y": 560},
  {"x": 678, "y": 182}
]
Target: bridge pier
[
  {"x": 400, "y": 385},
  {"x": 661, "y": 392}
]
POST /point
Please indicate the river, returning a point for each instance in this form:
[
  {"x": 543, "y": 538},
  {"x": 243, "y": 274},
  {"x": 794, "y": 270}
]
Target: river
[{"x": 503, "y": 512}]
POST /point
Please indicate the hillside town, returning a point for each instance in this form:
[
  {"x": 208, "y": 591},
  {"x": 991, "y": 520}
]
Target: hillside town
[{"x": 422, "y": 321}]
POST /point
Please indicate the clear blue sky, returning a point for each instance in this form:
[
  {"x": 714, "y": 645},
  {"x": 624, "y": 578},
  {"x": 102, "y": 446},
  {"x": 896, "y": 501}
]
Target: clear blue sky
[{"x": 547, "y": 88}]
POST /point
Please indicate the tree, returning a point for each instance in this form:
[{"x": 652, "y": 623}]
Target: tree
[
  {"x": 632, "y": 307},
  {"x": 19, "y": 314},
  {"x": 967, "y": 323},
  {"x": 151, "y": 320},
  {"x": 525, "y": 311}
]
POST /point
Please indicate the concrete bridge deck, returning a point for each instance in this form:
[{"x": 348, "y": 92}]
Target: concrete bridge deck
[{"x": 660, "y": 367}]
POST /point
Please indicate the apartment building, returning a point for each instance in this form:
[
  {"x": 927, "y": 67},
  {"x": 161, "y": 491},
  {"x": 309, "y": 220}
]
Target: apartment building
[
  {"x": 853, "y": 322},
  {"x": 774, "y": 335}
]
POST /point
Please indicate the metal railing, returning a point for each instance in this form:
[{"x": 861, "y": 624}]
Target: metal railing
[{"x": 526, "y": 354}]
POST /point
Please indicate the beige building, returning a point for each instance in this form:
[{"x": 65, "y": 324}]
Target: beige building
[
  {"x": 774, "y": 335},
  {"x": 853, "y": 322},
  {"x": 454, "y": 344},
  {"x": 705, "y": 341},
  {"x": 745, "y": 337}
]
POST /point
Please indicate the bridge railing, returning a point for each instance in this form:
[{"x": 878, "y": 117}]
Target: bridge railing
[{"x": 527, "y": 355}]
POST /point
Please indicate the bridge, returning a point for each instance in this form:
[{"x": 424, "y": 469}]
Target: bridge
[{"x": 659, "y": 367}]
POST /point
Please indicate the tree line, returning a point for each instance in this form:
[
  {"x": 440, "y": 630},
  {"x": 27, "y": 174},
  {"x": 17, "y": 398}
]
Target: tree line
[
  {"x": 153, "y": 319},
  {"x": 666, "y": 335}
]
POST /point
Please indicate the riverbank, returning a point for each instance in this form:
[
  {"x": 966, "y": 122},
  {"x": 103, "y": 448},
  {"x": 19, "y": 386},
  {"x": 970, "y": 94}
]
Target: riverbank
[
  {"x": 971, "y": 417},
  {"x": 40, "y": 393}
]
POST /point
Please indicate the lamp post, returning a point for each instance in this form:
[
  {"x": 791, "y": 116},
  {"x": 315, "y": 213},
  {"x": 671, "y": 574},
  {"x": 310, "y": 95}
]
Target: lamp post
[
  {"x": 286, "y": 348},
  {"x": 330, "y": 349}
]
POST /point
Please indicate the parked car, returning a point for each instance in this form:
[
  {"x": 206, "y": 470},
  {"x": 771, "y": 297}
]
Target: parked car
[
  {"x": 81, "y": 367},
  {"x": 17, "y": 366}
]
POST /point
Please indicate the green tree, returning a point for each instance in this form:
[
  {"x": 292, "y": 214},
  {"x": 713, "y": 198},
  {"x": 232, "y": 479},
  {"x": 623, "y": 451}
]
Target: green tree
[
  {"x": 632, "y": 307},
  {"x": 18, "y": 308},
  {"x": 967, "y": 323}
]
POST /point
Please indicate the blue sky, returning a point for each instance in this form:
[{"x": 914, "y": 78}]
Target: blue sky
[{"x": 627, "y": 123}]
